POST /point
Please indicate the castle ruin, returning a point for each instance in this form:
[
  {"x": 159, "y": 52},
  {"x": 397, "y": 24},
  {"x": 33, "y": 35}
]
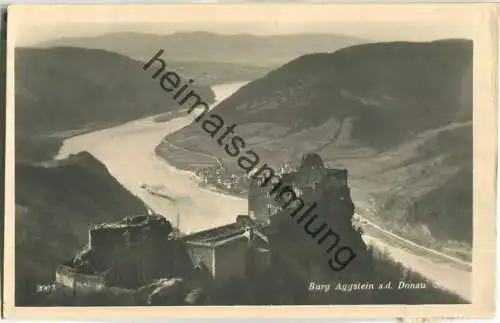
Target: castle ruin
[{"x": 129, "y": 253}]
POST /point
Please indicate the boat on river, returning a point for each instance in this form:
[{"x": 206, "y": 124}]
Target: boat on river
[{"x": 156, "y": 192}]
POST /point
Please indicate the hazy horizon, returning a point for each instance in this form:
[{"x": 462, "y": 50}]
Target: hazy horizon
[
  {"x": 38, "y": 24},
  {"x": 38, "y": 35}
]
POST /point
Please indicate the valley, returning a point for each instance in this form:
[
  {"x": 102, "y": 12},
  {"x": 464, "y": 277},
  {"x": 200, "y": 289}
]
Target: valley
[{"x": 407, "y": 146}]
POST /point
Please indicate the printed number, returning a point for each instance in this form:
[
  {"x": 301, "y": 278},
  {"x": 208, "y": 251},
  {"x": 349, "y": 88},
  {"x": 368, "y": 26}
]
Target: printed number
[{"x": 45, "y": 288}]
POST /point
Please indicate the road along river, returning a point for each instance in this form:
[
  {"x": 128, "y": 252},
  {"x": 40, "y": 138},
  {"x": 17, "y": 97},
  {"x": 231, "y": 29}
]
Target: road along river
[{"x": 128, "y": 153}]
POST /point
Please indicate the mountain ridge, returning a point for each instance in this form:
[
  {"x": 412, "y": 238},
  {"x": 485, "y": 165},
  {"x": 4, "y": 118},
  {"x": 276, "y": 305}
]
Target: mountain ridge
[{"x": 213, "y": 47}]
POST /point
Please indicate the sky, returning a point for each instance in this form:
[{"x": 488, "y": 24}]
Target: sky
[
  {"x": 374, "y": 31},
  {"x": 35, "y": 24}
]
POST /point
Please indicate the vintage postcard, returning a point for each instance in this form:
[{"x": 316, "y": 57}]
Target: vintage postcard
[{"x": 251, "y": 160}]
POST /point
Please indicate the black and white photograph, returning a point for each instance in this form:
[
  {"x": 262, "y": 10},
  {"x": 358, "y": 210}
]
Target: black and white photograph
[{"x": 205, "y": 156}]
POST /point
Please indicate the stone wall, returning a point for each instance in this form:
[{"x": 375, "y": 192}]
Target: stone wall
[
  {"x": 65, "y": 276},
  {"x": 81, "y": 283},
  {"x": 337, "y": 177},
  {"x": 261, "y": 259},
  {"x": 261, "y": 204},
  {"x": 128, "y": 254},
  {"x": 199, "y": 253},
  {"x": 230, "y": 260},
  {"x": 106, "y": 239}
]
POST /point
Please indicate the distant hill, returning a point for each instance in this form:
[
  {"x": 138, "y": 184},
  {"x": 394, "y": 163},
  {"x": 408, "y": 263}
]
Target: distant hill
[
  {"x": 63, "y": 89},
  {"x": 210, "y": 47},
  {"x": 389, "y": 91},
  {"x": 55, "y": 206},
  {"x": 398, "y": 115}
]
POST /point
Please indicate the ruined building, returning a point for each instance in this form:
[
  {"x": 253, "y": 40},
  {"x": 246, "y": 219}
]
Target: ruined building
[
  {"x": 143, "y": 253},
  {"x": 310, "y": 182},
  {"x": 129, "y": 253},
  {"x": 296, "y": 234},
  {"x": 230, "y": 252}
]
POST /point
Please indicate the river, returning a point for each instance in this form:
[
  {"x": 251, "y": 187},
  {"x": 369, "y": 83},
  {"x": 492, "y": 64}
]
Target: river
[{"x": 128, "y": 152}]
